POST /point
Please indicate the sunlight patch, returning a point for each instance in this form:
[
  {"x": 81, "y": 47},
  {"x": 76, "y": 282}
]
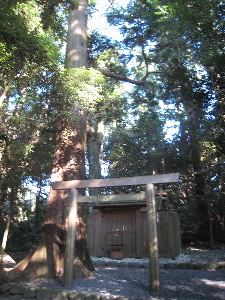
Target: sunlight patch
[{"x": 219, "y": 284}]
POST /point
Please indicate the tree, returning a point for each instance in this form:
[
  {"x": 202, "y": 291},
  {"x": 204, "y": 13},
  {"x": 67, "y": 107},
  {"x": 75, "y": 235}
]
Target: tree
[
  {"x": 136, "y": 145},
  {"x": 70, "y": 132},
  {"x": 69, "y": 163},
  {"x": 191, "y": 45},
  {"x": 159, "y": 34},
  {"x": 27, "y": 56},
  {"x": 184, "y": 41}
]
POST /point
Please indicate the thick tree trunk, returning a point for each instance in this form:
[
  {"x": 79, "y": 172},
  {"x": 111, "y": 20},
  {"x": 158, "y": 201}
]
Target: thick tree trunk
[
  {"x": 47, "y": 261},
  {"x": 76, "y": 50},
  {"x": 94, "y": 151}
]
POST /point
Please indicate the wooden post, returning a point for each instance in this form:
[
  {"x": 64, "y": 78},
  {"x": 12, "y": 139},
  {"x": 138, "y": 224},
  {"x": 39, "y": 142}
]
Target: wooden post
[
  {"x": 70, "y": 240},
  {"x": 152, "y": 240}
]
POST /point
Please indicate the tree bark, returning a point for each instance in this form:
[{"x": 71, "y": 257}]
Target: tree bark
[
  {"x": 47, "y": 261},
  {"x": 3, "y": 191},
  {"x": 94, "y": 151},
  {"x": 199, "y": 177},
  {"x": 3, "y": 276},
  {"x": 76, "y": 50},
  {"x": 4, "y": 170}
]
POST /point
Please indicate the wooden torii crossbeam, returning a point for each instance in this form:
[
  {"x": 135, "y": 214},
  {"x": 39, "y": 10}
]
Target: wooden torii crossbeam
[{"x": 149, "y": 181}]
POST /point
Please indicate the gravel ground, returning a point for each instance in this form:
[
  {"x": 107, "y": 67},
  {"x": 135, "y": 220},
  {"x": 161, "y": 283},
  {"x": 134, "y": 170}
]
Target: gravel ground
[{"x": 134, "y": 283}]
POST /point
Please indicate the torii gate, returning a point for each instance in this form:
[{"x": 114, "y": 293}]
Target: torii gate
[{"x": 149, "y": 181}]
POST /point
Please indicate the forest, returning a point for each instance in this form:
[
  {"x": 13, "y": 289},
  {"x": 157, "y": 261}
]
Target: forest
[{"x": 78, "y": 104}]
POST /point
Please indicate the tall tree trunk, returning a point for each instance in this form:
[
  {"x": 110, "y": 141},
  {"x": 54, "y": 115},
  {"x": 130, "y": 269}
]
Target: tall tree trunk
[
  {"x": 38, "y": 202},
  {"x": 47, "y": 260},
  {"x": 94, "y": 150},
  {"x": 3, "y": 192},
  {"x": 3, "y": 276},
  {"x": 217, "y": 74},
  {"x": 199, "y": 177},
  {"x": 191, "y": 131},
  {"x": 4, "y": 170}
]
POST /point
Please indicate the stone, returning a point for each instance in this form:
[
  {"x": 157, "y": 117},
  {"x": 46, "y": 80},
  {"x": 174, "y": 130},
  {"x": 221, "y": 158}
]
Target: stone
[
  {"x": 100, "y": 263},
  {"x": 5, "y": 287},
  {"x": 135, "y": 264},
  {"x": 126, "y": 264},
  {"x": 17, "y": 290},
  {"x": 92, "y": 297},
  {"x": 189, "y": 265},
  {"x": 114, "y": 263},
  {"x": 182, "y": 266},
  {"x": 15, "y": 297},
  {"x": 44, "y": 294},
  {"x": 59, "y": 295},
  {"x": 171, "y": 266},
  {"x": 198, "y": 266},
  {"x": 145, "y": 264},
  {"x": 107, "y": 297},
  {"x": 161, "y": 265},
  {"x": 76, "y": 296},
  {"x": 211, "y": 266},
  {"x": 29, "y": 292},
  {"x": 220, "y": 265}
]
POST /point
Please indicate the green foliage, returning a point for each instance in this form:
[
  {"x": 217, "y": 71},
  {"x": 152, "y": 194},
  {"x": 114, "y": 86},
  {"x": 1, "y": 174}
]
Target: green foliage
[
  {"x": 183, "y": 40},
  {"x": 82, "y": 86},
  {"x": 53, "y": 15},
  {"x": 30, "y": 59},
  {"x": 23, "y": 236},
  {"x": 137, "y": 148},
  {"x": 26, "y": 218},
  {"x": 19, "y": 41}
]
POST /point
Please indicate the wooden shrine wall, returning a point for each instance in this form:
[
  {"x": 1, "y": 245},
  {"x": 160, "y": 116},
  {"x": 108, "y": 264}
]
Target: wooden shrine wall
[{"x": 129, "y": 227}]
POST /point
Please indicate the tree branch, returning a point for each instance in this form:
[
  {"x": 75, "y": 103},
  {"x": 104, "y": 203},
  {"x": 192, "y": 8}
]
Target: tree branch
[
  {"x": 132, "y": 81},
  {"x": 126, "y": 79}
]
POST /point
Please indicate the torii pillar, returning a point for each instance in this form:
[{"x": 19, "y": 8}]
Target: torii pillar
[{"x": 149, "y": 181}]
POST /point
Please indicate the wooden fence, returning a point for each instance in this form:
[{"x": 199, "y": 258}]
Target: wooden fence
[{"x": 129, "y": 227}]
